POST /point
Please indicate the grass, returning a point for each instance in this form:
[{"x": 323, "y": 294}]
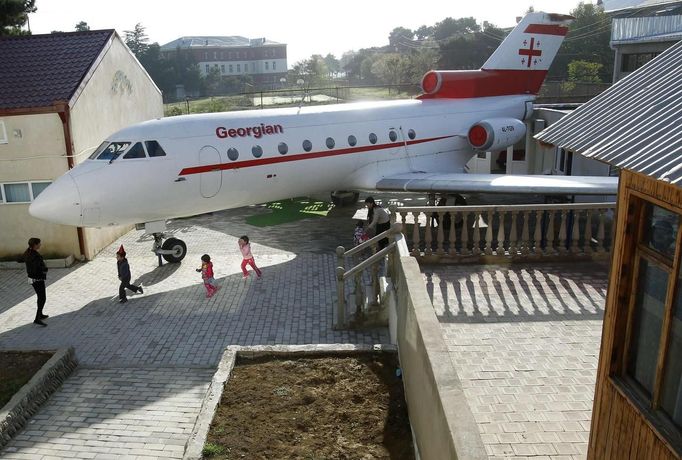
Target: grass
[
  {"x": 292, "y": 210},
  {"x": 211, "y": 449}
]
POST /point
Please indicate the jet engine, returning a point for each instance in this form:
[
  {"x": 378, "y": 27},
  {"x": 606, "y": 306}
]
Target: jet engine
[{"x": 496, "y": 133}]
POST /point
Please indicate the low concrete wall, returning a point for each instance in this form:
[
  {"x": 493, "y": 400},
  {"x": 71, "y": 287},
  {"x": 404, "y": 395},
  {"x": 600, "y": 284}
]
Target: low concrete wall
[
  {"x": 50, "y": 263},
  {"x": 440, "y": 417},
  {"x": 19, "y": 409}
]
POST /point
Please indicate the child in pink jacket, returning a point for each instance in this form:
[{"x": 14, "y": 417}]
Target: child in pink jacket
[
  {"x": 245, "y": 247},
  {"x": 206, "y": 271}
]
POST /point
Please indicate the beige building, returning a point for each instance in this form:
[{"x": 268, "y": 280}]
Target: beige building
[{"x": 61, "y": 95}]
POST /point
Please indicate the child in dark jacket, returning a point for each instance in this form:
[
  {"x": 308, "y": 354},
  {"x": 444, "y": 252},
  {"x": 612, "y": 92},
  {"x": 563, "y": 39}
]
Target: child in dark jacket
[{"x": 124, "y": 276}]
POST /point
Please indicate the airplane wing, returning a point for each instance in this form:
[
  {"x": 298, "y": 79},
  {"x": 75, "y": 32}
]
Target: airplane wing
[{"x": 495, "y": 183}]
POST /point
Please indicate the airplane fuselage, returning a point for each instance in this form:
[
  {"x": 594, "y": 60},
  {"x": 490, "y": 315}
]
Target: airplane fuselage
[{"x": 227, "y": 160}]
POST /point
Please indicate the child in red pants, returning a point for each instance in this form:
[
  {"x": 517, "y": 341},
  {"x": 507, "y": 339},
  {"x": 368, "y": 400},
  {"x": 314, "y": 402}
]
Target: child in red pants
[
  {"x": 245, "y": 247},
  {"x": 207, "y": 275}
]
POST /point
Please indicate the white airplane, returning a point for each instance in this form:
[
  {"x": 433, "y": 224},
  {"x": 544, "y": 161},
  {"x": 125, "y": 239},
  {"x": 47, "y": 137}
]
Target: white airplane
[{"x": 187, "y": 165}]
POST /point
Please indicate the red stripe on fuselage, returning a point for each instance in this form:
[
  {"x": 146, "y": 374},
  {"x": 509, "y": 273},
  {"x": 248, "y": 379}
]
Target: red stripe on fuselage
[
  {"x": 546, "y": 29},
  {"x": 299, "y": 156}
]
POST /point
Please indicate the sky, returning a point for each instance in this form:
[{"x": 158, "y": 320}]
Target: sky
[{"x": 306, "y": 27}]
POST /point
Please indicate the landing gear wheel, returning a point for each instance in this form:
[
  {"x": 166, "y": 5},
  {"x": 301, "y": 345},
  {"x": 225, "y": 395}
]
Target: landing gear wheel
[
  {"x": 342, "y": 198},
  {"x": 178, "y": 247}
]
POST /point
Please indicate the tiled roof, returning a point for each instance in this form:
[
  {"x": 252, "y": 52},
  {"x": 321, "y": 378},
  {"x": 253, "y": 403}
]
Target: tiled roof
[
  {"x": 37, "y": 70},
  {"x": 636, "y": 124}
]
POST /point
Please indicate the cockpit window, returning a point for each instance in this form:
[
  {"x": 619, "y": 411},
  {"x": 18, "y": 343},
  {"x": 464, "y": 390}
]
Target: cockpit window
[
  {"x": 99, "y": 150},
  {"x": 136, "y": 151},
  {"x": 154, "y": 149},
  {"x": 111, "y": 151}
]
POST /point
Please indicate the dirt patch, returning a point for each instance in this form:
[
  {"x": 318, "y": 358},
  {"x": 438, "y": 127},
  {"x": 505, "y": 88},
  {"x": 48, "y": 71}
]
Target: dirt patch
[
  {"x": 17, "y": 368},
  {"x": 341, "y": 407}
]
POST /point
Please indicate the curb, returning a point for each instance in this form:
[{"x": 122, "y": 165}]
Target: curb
[
  {"x": 195, "y": 444},
  {"x": 27, "y": 401}
]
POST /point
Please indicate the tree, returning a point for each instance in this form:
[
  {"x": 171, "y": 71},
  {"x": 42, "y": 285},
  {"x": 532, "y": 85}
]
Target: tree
[
  {"x": 584, "y": 71},
  {"x": 82, "y": 27},
  {"x": 13, "y": 16},
  {"x": 449, "y": 28},
  {"x": 136, "y": 40},
  {"x": 390, "y": 68},
  {"x": 587, "y": 40},
  {"x": 400, "y": 39},
  {"x": 333, "y": 65}
]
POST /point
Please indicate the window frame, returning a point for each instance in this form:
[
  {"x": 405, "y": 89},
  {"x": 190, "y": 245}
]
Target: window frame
[
  {"x": 628, "y": 386},
  {"x": 3, "y": 133},
  {"x": 3, "y": 193}
]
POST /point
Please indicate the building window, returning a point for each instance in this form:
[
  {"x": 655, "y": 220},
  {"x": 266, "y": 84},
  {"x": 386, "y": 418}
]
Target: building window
[
  {"x": 352, "y": 140},
  {"x": 17, "y": 193},
  {"x": 372, "y": 138},
  {"x": 38, "y": 187},
  {"x": 632, "y": 62},
  {"x": 257, "y": 151},
  {"x": 274, "y": 65},
  {"x": 232, "y": 154},
  {"x": 283, "y": 148},
  {"x": 307, "y": 145},
  {"x": 230, "y": 68},
  {"x": 208, "y": 69},
  {"x": 3, "y": 133},
  {"x": 267, "y": 65},
  {"x": 651, "y": 367}
]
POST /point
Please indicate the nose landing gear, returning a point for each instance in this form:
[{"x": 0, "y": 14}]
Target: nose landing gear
[{"x": 173, "y": 249}]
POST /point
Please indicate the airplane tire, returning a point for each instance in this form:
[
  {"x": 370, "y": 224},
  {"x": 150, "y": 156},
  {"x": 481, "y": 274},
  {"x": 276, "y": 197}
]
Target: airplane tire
[
  {"x": 178, "y": 247},
  {"x": 342, "y": 198}
]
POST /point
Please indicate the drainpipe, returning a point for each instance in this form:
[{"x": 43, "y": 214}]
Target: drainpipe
[{"x": 64, "y": 113}]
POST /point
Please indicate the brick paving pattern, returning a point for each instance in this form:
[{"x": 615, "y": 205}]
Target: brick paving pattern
[
  {"x": 525, "y": 342},
  {"x": 145, "y": 366}
]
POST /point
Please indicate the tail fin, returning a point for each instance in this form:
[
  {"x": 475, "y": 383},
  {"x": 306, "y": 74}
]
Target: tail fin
[{"x": 518, "y": 66}]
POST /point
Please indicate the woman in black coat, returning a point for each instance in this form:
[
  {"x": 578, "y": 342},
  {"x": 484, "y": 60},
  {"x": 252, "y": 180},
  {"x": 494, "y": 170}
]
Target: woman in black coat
[{"x": 37, "y": 274}]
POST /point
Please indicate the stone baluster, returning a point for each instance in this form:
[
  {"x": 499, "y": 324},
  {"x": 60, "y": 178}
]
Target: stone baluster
[
  {"x": 587, "y": 249},
  {"x": 476, "y": 249},
  {"x": 575, "y": 233},
  {"x": 513, "y": 238},
  {"x": 453, "y": 234},
  {"x": 489, "y": 234},
  {"x": 500, "y": 234},
  {"x": 563, "y": 215},
  {"x": 601, "y": 233},
  {"x": 359, "y": 294},
  {"x": 428, "y": 237},
  {"x": 526, "y": 245},
  {"x": 440, "y": 235},
  {"x": 415, "y": 235},
  {"x": 465, "y": 234},
  {"x": 549, "y": 249},
  {"x": 537, "y": 235}
]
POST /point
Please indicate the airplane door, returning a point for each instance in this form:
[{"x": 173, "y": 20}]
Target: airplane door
[{"x": 212, "y": 180}]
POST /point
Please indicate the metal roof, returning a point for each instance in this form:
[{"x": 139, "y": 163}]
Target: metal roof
[
  {"x": 38, "y": 70},
  {"x": 215, "y": 42},
  {"x": 636, "y": 124},
  {"x": 611, "y": 6}
]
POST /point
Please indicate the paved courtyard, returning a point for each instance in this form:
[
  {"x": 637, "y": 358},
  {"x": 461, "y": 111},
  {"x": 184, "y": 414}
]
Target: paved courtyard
[
  {"x": 144, "y": 367},
  {"x": 524, "y": 340}
]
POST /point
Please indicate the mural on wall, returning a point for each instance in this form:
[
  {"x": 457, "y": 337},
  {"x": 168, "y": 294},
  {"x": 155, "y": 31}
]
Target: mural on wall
[{"x": 120, "y": 84}]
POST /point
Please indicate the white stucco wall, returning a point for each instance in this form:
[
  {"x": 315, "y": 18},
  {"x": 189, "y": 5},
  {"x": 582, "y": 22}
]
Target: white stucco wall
[
  {"x": 34, "y": 152},
  {"x": 119, "y": 93}
]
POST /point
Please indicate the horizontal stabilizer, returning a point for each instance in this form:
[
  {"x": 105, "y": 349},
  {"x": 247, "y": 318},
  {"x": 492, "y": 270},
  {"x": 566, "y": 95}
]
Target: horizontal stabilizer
[{"x": 496, "y": 183}]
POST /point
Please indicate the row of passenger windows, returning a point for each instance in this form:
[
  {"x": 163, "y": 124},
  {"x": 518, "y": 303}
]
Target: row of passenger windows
[
  {"x": 110, "y": 151},
  {"x": 283, "y": 148}
]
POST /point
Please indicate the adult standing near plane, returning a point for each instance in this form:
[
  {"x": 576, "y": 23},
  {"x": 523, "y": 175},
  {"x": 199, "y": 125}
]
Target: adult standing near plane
[
  {"x": 379, "y": 220},
  {"x": 37, "y": 274}
]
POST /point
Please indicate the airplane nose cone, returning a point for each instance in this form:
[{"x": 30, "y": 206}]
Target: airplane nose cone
[{"x": 59, "y": 203}]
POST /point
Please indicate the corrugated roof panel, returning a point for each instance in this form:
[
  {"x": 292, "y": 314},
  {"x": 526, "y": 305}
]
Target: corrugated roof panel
[{"x": 636, "y": 124}]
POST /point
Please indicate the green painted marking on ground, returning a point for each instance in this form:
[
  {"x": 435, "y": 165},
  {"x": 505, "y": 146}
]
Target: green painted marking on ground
[{"x": 284, "y": 211}]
